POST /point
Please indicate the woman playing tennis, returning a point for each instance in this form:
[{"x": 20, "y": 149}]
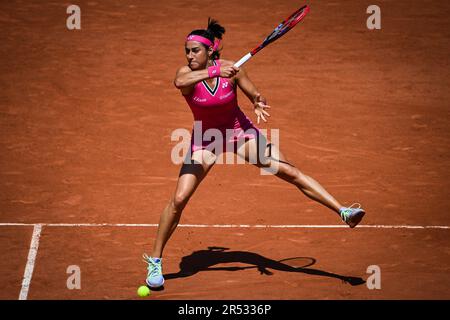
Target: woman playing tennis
[{"x": 209, "y": 86}]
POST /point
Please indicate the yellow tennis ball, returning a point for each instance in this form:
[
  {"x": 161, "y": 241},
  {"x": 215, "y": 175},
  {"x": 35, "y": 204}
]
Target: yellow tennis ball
[{"x": 143, "y": 291}]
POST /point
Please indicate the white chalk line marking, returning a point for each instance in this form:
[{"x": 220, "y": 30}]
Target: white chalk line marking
[
  {"x": 28, "y": 274},
  {"x": 256, "y": 226}
]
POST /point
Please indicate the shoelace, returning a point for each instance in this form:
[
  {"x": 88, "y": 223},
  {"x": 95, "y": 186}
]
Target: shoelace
[
  {"x": 348, "y": 210},
  {"x": 154, "y": 269},
  {"x": 359, "y": 206}
]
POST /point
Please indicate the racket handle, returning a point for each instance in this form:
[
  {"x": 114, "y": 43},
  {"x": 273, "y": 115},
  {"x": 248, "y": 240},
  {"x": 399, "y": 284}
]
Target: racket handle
[{"x": 243, "y": 60}]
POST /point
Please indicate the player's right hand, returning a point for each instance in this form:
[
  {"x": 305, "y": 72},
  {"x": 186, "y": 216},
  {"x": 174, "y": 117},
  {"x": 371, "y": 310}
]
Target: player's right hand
[{"x": 228, "y": 71}]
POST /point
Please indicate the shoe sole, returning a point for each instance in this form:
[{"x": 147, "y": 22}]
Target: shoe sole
[
  {"x": 154, "y": 287},
  {"x": 356, "y": 219}
]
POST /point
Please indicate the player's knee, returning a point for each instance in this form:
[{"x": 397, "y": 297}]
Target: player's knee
[
  {"x": 179, "y": 201},
  {"x": 264, "y": 161},
  {"x": 300, "y": 178},
  {"x": 291, "y": 174}
]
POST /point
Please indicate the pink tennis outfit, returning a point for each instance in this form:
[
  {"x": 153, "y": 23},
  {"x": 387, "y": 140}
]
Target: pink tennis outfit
[{"x": 217, "y": 108}]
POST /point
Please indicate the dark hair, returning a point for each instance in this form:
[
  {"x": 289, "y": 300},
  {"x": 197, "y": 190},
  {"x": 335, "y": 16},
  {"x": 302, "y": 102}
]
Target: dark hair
[{"x": 214, "y": 30}]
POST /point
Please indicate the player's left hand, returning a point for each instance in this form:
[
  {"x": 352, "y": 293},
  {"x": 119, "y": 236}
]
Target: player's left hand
[{"x": 260, "y": 104}]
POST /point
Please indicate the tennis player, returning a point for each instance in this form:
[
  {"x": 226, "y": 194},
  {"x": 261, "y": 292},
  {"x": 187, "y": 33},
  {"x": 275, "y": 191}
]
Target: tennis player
[{"x": 209, "y": 84}]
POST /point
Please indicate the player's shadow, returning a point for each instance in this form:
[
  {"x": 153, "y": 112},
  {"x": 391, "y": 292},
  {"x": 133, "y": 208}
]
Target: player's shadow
[{"x": 204, "y": 260}]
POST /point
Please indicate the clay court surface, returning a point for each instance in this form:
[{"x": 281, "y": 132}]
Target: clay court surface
[{"x": 86, "y": 118}]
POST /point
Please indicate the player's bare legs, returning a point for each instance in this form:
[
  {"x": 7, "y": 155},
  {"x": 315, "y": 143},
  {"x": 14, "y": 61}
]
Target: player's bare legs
[
  {"x": 291, "y": 174},
  {"x": 191, "y": 174},
  {"x": 189, "y": 179},
  {"x": 286, "y": 171}
]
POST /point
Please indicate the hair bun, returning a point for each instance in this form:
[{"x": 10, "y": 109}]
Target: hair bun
[{"x": 215, "y": 28}]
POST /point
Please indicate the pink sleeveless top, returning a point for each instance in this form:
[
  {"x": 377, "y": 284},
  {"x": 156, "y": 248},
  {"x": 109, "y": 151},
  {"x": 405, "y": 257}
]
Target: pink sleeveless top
[{"x": 217, "y": 108}]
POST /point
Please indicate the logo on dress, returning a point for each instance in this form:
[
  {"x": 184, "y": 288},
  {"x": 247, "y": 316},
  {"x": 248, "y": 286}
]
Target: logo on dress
[
  {"x": 224, "y": 85},
  {"x": 199, "y": 99}
]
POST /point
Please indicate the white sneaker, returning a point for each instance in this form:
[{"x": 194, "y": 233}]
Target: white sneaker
[{"x": 155, "y": 278}]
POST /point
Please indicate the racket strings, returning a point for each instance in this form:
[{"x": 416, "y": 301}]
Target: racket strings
[
  {"x": 279, "y": 31},
  {"x": 285, "y": 26}
]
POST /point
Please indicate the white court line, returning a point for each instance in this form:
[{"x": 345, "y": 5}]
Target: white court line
[
  {"x": 287, "y": 226},
  {"x": 30, "y": 262}
]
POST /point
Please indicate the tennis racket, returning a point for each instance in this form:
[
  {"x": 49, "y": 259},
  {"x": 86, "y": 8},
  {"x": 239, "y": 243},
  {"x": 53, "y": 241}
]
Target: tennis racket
[{"x": 279, "y": 31}]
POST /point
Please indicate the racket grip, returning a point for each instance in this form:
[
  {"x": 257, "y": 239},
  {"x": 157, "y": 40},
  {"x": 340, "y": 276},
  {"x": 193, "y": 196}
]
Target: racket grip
[{"x": 243, "y": 60}]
